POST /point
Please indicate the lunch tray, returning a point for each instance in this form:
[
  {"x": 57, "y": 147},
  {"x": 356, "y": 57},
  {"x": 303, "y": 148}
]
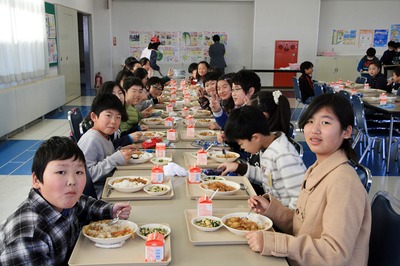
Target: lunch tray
[
  {"x": 113, "y": 195},
  {"x": 190, "y": 160},
  {"x": 194, "y": 191},
  {"x": 184, "y": 137},
  {"x": 141, "y": 166}
]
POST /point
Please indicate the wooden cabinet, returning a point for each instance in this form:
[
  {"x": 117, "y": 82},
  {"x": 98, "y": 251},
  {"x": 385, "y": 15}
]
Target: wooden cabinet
[
  {"x": 68, "y": 51},
  {"x": 333, "y": 68}
]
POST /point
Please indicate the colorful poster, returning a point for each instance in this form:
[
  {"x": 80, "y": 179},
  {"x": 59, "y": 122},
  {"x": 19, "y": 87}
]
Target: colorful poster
[
  {"x": 192, "y": 38},
  {"x": 337, "y": 36},
  {"x": 50, "y": 26},
  {"x": 191, "y": 54},
  {"x": 381, "y": 38},
  {"x": 170, "y": 54},
  {"x": 136, "y": 51},
  {"x": 208, "y": 37},
  {"x": 139, "y": 38},
  {"x": 395, "y": 32},
  {"x": 365, "y": 39},
  {"x": 168, "y": 38},
  {"x": 349, "y": 37},
  {"x": 53, "y": 55}
]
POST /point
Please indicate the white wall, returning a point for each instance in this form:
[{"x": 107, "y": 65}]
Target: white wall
[{"x": 356, "y": 15}]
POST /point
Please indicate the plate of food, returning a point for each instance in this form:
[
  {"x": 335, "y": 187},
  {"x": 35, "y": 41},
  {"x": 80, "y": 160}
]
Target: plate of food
[
  {"x": 152, "y": 121},
  {"x": 224, "y": 187},
  {"x": 229, "y": 156},
  {"x": 161, "y": 160},
  {"x": 203, "y": 122},
  {"x": 241, "y": 223},
  {"x": 206, "y": 134},
  {"x": 128, "y": 183},
  {"x": 206, "y": 178},
  {"x": 140, "y": 157},
  {"x": 207, "y": 223},
  {"x": 202, "y": 112},
  {"x": 147, "y": 229},
  {"x": 152, "y": 134},
  {"x": 156, "y": 189},
  {"x": 104, "y": 233}
]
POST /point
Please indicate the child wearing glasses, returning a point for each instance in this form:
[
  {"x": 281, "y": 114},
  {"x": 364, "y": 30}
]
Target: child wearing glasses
[{"x": 331, "y": 224}]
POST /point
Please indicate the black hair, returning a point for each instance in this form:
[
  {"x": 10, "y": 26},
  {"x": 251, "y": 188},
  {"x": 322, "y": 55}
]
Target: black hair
[
  {"x": 342, "y": 109},
  {"x": 144, "y": 60},
  {"x": 132, "y": 81},
  {"x": 244, "y": 122},
  {"x": 278, "y": 113},
  {"x": 130, "y": 63},
  {"x": 247, "y": 79},
  {"x": 391, "y": 43},
  {"x": 305, "y": 65},
  {"x": 210, "y": 76},
  {"x": 140, "y": 73},
  {"x": 215, "y": 70},
  {"x": 55, "y": 148},
  {"x": 396, "y": 45},
  {"x": 123, "y": 74},
  {"x": 397, "y": 71},
  {"x": 377, "y": 64},
  {"x": 216, "y": 38},
  {"x": 104, "y": 102},
  {"x": 227, "y": 105},
  {"x": 108, "y": 88},
  {"x": 153, "y": 45},
  {"x": 154, "y": 80},
  {"x": 192, "y": 67},
  {"x": 371, "y": 51}
]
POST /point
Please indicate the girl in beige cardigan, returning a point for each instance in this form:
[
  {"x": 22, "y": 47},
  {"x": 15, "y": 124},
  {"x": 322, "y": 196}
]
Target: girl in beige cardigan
[{"x": 332, "y": 220}]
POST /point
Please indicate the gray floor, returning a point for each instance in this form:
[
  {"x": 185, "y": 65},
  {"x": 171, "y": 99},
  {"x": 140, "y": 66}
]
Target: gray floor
[{"x": 14, "y": 188}]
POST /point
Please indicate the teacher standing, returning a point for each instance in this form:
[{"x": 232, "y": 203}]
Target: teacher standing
[{"x": 217, "y": 52}]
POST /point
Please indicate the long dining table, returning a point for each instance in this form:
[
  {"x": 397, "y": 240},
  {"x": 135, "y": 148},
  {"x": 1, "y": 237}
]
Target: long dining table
[{"x": 185, "y": 245}]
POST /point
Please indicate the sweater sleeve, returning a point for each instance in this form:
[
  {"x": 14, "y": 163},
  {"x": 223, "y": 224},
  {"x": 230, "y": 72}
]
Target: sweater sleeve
[
  {"x": 221, "y": 118},
  {"x": 153, "y": 60}
]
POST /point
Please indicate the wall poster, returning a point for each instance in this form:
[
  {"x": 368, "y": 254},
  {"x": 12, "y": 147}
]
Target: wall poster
[
  {"x": 380, "y": 38},
  {"x": 344, "y": 37},
  {"x": 51, "y": 33},
  {"x": 365, "y": 38},
  {"x": 395, "y": 32}
]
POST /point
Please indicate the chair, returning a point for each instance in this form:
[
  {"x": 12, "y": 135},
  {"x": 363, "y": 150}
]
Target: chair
[
  {"x": 346, "y": 94},
  {"x": 297, "y": 94},
  {"x": 329, "y": 89},
  {"x": 318, "y": 89},
  {"x": 361, "y": 80},
  {"x": 298, "y": 146},
  {"x": 384, "y": 243},
  {"x": 85, "y": 126},
  {"x": 363, "y": 173},
  {"x": 89, "y": 187},
  {"x": 75, "y": 118}
]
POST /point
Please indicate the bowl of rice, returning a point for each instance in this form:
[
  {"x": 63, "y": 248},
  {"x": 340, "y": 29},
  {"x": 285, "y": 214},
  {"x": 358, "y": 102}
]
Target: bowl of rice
[
  {"x": 240, "y": 223},
  {"x": 104, "y": 233},
  {"x": 128, "y": 184}
]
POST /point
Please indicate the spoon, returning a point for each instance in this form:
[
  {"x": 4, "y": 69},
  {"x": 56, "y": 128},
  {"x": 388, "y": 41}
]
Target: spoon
[
  {"x": 244, "y": 187},
  {"x": 116, "y": 219},
  {"x": 212, "y": 144},
  {"x": 215, "y": 192}
]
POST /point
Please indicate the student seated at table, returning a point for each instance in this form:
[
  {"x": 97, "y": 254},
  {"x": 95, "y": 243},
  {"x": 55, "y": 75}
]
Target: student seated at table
[
  {"x": 331, "y": 224},
  {"x": 388, "y": 55},
  {"x": 281, "y": 169},
  {"x": 192, "y": 71},
  {"x": 364, "y": 63},
  {"x": 305, "y": 80},
  {"x": 121, "y": 75},
  {"x": 44, "y": 228},
  {"x": 133, "y": 90},
  {"x": 377, "y": 80},
  {"x": 394, "y": 82},
  {"x": 209, "y": 91},
  {"x": 101, "y": 156}
]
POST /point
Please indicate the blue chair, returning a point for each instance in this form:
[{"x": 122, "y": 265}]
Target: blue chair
[
  {"x": 297, "y": 145},
  {"x": 361, "y": 80},
  {"x": 346, "y": 94},
  {"x": 363, "y": 173},
  {"x": 384, "y": 242},
  {"x": 297, "y": 94},
  {"x": 318, "y": 89},
  {"x": 74, "y": 119},
  {"x": 329, "y": 89}
]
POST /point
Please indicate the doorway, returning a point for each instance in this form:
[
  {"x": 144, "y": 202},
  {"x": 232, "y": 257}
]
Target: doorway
[{"x": 84, "y": 55}]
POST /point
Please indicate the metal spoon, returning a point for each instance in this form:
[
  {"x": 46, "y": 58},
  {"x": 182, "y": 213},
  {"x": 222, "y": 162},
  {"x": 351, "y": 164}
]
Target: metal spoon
[
  {"x": 244, "y": 187},
  {"x": 116, "y": 219}
]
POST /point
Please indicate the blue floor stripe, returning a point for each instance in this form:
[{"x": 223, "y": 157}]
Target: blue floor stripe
[{"x": 63, "y": 113}]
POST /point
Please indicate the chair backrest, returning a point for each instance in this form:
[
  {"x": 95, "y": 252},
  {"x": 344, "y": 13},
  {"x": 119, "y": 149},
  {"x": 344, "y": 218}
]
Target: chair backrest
[
  {"x": 75, "y": 118},
  {"x": 297, "y": 145},
  {"x": 296, "y": 87},
  {"x": 346, "y": 94},
  {"x": 317, "y": 89},
  {"x": 363, "y": 173},
  {"x": 384, "y": 243},
  {"x": 361, "y": 80},
  {"x": 85, "y": 126},
  {"x": 358, "y": 109},
  {"x": 329, "y": 89}
]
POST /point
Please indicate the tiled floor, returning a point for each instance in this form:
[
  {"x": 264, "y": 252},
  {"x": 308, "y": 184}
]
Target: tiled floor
[{"x": 17, "y": 151}]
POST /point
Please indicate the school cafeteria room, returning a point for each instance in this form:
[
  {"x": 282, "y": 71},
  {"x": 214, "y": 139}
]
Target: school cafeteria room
[{"x": 57, "y": 54}]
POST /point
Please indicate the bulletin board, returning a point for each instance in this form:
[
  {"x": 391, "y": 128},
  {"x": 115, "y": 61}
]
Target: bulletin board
[
  {"x": 366, "y": 38},
  {"x": 51, "y": 32},
  {"x": 176, "y": 46}
]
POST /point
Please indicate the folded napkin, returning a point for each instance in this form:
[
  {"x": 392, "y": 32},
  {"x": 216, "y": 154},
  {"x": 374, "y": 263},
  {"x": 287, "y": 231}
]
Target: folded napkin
[
  {"x": 172, "y": 169},
  {"x": 116, "y": 245}
]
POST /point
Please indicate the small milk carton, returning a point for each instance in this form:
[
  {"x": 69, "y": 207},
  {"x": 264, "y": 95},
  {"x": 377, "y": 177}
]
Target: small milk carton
[
  {"x": 185, "y": 111},
  {"x": 173, "y": 96},
  {"x": 157, "y": 175},
  {"x": 204, "y": 206},
  {"x": 186, "y": 98},
  {"x": 366, "y": 86},
  {"x": 169, "y": 122},
  {"x": 194, "y": 174},
  {"x": 173, "y": 103},
  {"x": 169, "y": 108},
  {"x": 190, "y": 131},
  {"x": 171, "y": 134},
  {"x": 201, "y": 157},
  {"x": 382, "y": 99},
  {"x": 160, "y": 149},
  {"x": 155, "y": 247},
  {"x": 189, "y": 120}
]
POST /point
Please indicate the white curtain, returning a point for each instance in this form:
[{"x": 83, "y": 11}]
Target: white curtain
[{"x": 23, "y": 41}]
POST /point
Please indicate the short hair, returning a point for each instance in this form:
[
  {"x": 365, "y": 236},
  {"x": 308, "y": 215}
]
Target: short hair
[
  {"x": 108, "y": 88},
  {"x": 396, "y": 45},
  {"x": 305, "y": 65},
  {"x": 53, "y": 149},
  {"x": 391, "y": 43},
  {"x": 204, "y": 63},
  {"x": 154, "y": 80},
  {"x": 377, "y": 64},
  {"x": 130, "y": 62},
  {"x": 371, "y": 51},
  {"x": 104, "y": 102},
  {"x": 247, "y": 79},
  {"x": 215, "y": 70},
  {"x": 397, "y": 71},
  {"x": 144, "y": 60},
  {"x": 140, "y": 73},
  {"x": 132, "y": 81},
  {"x": 216, "y": 38},
  {"x": 153, "y": 45},
  {"x": 343, "y": 110},
  {"x": 192, "y": 67},
  {"x": 244, "y": 122},
  {"x": 210, "y": 76},
  {"x": 123, "y": 74}
]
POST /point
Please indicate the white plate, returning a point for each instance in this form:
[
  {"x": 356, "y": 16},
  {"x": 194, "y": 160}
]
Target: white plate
[
  {"x": 148, "y": 189},
  {"x": 130, "y": 186},
  {"x": 161, "y": 160},
  {"x": 151, "y": 226},
  {"x": 112, "y": 240},
  {"x": 261, "y": 220},
  {"x": 201, "y": 112},
  {"x": 144, "y": 157},
  {"x": 235, "y": 185},
  {"x": 152, "y": 134},
  {"x": 203, "y": 122},
  {"x": 152, "y": 121},
  {"x": 205, "y": 218},
  {"x": 206, "y": 178},
  {"x": 206, "y": 134},
  {"x": 221, "y": 158}
]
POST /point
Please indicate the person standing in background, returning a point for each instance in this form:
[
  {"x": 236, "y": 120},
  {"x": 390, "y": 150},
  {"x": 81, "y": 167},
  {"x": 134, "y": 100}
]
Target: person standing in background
[
  {"x": 152, "y": 53},
  {"x": 217, "y": 52}
]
